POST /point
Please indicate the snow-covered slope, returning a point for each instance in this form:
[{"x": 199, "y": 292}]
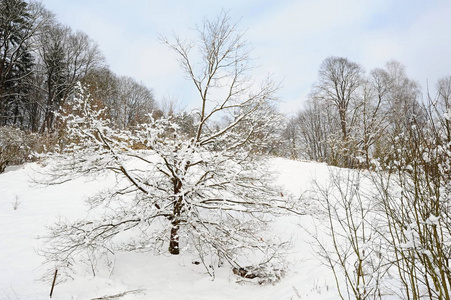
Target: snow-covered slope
[{"x": 26, "y": 208}]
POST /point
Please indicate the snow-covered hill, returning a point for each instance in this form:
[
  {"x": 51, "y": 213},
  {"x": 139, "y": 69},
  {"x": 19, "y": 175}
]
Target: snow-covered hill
[{"x": 27, "y": 207}]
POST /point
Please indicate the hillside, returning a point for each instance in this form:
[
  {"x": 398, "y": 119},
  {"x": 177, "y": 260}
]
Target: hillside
[{"x": 27, "y": 207}]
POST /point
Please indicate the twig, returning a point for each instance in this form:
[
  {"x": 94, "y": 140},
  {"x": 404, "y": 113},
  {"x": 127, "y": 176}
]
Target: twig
[
  {"x": 53, "y": 283},
  {"x": 118, "y": 295}
]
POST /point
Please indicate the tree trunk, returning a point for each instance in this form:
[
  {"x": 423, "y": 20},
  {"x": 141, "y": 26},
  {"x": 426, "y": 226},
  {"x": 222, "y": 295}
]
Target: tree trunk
[
  {"x": 174, "y": 248},
  {"x": 343, "y": 123}
]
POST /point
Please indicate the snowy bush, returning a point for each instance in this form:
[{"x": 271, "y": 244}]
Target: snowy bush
[
  {"x": 415, "y": 201},
  {"x": 18, "y": 146},
  {"x": 393, "y": 236},
  {"x": 14, "y": 147},
  {"x": 351, "y": 245}
]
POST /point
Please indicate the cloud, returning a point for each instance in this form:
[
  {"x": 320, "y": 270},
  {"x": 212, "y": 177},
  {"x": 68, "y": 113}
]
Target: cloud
[{"x": 290, "y": 37}]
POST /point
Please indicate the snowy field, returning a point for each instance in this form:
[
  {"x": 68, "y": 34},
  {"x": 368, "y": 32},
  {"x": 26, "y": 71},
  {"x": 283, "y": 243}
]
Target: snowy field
[{"x": 26, "y": 208}]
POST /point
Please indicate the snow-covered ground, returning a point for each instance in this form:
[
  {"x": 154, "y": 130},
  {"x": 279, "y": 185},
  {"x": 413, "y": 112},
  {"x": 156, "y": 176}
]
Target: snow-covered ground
[{"x": 26, "y": 208}]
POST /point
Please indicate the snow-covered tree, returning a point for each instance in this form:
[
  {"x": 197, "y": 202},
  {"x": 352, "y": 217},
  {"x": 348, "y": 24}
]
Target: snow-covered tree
[{"x": 200, "y": 190}]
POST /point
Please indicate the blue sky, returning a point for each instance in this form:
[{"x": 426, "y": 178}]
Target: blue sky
[{"x": 289, "y": 38}]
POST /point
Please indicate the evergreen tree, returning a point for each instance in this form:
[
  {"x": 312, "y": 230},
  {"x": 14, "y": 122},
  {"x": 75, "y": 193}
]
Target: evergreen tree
[{"x": 16, "y": 60}]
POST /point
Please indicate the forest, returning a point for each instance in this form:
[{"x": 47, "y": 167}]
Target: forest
[{"x": 198, "y": 181}]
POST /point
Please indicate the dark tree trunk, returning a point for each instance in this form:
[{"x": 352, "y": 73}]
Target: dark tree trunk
[
  {"x": 174, "y": 248},
  {"x": 343, "y": 123}
]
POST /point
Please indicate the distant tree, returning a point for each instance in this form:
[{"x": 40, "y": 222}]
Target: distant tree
[
  {"x": 337, "y": 88},
  {"x": 442, "y": 107},
  {"x": 65, "y": 58},
  {"x": 56, "y": 73},
  {"x": 315, "y": 126},
  {"x": 290, "y": 136},
  {"x": 444, "y": 94},
  {"x": 404, "y": 105},
  {"x": 123, "y": 100},
  {"x": 338, "y": 82},
  {"x": 101, "y": 84},
  {"x": 134, "y": 101}
]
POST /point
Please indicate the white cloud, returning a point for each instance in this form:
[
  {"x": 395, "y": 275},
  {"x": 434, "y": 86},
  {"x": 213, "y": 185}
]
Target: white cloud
[{"x": 291, "y": 38}]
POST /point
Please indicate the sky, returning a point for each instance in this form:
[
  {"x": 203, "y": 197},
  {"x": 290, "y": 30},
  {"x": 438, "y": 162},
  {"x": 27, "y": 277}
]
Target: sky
[{"x": 289, "y": 38}]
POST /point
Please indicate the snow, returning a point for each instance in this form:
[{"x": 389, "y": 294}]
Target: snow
[
  {"x": 433, "y": 220},
  {"x": 447, "y": 115},
  {"x": 145, "y": 275}
]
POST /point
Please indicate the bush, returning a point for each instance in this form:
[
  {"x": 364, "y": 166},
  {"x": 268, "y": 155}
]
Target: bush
[
  {"x": 18, "y": 146},
  {"x": 12, "y": 146}
]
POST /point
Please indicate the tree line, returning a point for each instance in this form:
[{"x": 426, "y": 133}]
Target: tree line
[
  {"x": 355, "y": 119},
  {"x": 350, "y": 119},
  {"x": 41, "y": 61}
]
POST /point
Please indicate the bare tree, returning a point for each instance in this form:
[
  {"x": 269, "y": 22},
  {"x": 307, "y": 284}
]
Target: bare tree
[
  {"x": 338, "y": 82},
  {"x": 337, "y": 89},
  {"x": 404, "y": 94},
  {"x": 371, "y": 121},
  {"x": 442, "y": 106},
  {"x": 204, "y": 190},
  {"x": 134, "y": 101},
  {"x": 316, "y": 126},
  {"x": 122, "y": 99},
  {"x": 65, "y": 58},
  {"x": 290, "y": 136}
]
